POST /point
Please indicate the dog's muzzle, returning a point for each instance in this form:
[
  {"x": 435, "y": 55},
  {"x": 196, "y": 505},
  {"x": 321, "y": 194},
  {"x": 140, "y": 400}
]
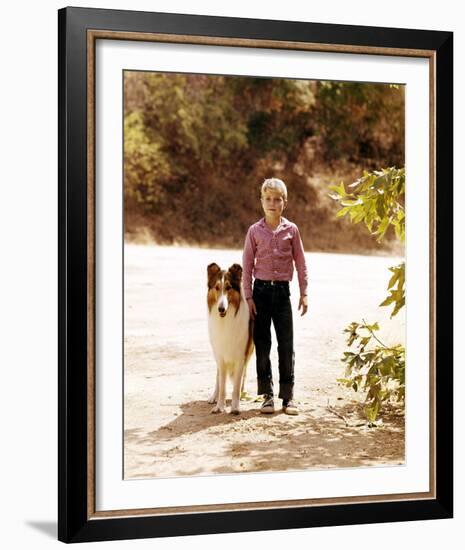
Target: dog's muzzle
[{"x": 222, "y": 306}]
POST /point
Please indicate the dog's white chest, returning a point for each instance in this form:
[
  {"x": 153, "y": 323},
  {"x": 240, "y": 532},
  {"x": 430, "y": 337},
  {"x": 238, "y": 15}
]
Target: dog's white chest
[{"x": 229, "y": 334}]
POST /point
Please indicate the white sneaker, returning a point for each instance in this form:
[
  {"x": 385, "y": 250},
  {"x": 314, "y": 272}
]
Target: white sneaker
[
  {"x": 289, "y": 407},
  {"x": 268, "y": 405}
]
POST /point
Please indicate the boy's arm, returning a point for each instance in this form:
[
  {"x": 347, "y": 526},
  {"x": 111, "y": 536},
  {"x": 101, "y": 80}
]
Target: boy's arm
[
  {"x": 300, "y": 263},
  {"x": 248, "y": 258}
]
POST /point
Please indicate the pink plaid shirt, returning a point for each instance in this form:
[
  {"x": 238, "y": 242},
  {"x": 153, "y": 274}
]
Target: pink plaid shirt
[{"x": 270, "y": 255}]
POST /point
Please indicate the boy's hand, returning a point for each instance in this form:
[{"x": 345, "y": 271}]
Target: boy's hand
[
  {"x": 252, "y": 308},
  {"x": 303, "y": 303}
]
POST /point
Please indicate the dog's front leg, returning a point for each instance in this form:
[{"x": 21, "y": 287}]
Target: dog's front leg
[
  {"x": 219, "y": 407},
  {"x": 214, "y": 396},
  {"x": 236, "y": 393}
]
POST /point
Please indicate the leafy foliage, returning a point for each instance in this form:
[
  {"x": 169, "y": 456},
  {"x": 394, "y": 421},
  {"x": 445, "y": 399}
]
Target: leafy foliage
[
  {"x": 396, "y": 287},
  {"x": 377, "y": 200},
  {"x": 196, "y": 148},
  {"x": 378, "y": 370},
  {"x": 361, "y": 121},
  {"x": 146, "y": 165}
]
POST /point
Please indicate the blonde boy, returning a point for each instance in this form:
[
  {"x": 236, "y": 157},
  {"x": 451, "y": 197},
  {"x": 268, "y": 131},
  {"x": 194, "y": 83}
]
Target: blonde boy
[{"x": 272, "y": 246}]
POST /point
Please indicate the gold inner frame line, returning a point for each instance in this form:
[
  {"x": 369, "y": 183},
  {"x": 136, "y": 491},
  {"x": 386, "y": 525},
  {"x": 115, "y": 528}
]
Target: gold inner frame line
[{"x": 92, "y": 36}]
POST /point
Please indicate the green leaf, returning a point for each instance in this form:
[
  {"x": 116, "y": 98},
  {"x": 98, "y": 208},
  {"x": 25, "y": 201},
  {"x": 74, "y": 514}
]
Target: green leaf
[
  {"x": 339, "y": 189},
  {"x": 343, "y": 212},
  {"x": 371, "y": 412},
  {"x": 399, "y": 305},
  {"x": 389, "y": 300},
  {"x": 394, "y": 278},
  {"x": 351, "y": 202}
]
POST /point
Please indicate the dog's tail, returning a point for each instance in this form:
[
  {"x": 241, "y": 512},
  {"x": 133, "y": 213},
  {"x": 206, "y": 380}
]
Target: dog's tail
[
  {"x": 248, "y": 353},
  {"x": 250, "y": 345}
]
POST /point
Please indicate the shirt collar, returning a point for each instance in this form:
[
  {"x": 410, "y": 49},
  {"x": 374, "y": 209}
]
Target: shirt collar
[{"x": 284, "y": 223}]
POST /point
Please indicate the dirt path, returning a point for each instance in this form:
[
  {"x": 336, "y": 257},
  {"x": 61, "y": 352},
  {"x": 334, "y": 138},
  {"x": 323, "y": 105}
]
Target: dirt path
[{"x": 170, "y": 372}]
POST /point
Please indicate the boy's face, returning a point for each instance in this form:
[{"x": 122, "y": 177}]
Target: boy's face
[{"x": 273, "y": 203}]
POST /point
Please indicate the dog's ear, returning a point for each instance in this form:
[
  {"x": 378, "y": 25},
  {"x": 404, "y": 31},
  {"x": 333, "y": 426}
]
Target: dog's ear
[
  {"x": 212, "y": 271},
  {"x": 236, "y": 272}
]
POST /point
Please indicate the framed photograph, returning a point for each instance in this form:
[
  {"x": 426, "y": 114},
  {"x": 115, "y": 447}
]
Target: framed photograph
[{"x": 219, "y": 176}]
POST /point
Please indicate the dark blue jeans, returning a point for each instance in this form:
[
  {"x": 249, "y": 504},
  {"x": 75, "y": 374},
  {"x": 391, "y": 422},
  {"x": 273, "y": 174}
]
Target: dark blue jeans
[{"x": 273, "y": 304}]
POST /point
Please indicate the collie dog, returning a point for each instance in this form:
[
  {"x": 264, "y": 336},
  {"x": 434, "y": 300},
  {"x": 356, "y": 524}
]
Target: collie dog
[{"x": 231, "y": 333}]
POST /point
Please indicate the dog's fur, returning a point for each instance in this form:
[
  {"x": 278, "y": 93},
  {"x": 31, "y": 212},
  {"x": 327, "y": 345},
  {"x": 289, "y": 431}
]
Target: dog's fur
[{"x": 231, "y": 333}]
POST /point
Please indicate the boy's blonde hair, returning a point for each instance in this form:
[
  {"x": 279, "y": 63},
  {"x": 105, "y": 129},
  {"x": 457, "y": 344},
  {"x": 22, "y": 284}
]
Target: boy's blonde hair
[{"x": 276, "y": 185}]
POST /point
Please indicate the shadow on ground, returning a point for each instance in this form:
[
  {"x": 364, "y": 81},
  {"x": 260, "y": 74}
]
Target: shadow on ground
[{"x": 315, "y": 439}]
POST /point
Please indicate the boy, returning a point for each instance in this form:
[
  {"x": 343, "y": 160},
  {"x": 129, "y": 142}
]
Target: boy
[{"x": 272, "y": 245}]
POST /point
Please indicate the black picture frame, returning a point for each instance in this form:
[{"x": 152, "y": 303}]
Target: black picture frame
[{"x": 77, "y": 521}]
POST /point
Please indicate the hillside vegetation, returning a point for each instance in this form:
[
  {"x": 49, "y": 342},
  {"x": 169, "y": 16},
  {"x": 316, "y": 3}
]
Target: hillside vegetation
[{"x": 198, "y": 147}]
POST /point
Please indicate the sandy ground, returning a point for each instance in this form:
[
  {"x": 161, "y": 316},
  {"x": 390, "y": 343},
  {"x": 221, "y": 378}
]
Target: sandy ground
[{"x": 169, "y": 372}]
